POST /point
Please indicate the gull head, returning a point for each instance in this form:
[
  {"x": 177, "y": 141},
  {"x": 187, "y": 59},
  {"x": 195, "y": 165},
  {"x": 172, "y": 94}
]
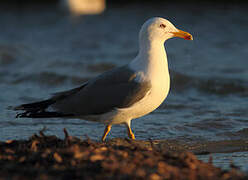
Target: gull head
[{"x": 160, "y": 29}]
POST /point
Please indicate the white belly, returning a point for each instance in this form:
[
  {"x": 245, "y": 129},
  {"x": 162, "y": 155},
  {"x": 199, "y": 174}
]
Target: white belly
[{"x": 151, "y": 101}]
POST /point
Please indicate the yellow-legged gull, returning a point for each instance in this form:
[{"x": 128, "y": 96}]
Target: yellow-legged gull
[{"x": 122, "y": 94}]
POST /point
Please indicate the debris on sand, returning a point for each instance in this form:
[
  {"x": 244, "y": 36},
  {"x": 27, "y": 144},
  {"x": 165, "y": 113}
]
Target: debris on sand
[{"x": 48, "y": 157}]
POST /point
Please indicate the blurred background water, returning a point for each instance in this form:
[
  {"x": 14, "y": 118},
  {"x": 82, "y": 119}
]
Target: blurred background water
[{"x": 44, "y": 50}]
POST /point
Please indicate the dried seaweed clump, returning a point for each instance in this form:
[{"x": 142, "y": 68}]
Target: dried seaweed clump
[{"x": 48, "y": 157}]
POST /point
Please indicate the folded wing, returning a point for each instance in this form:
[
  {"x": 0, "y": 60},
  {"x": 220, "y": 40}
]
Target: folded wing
[{"x": 114, "y": 89}]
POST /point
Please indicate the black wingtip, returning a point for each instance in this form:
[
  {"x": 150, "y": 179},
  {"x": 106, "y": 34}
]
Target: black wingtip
[
  {"x": 34, "y": 107},
  {"x": 42, "y": 114},
  {"x": 20, "y": 115}
]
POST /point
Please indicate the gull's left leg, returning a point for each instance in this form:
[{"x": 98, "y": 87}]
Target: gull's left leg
[
  {"x": 106, "y": 131},
  {"x": 129, "y": 130}
]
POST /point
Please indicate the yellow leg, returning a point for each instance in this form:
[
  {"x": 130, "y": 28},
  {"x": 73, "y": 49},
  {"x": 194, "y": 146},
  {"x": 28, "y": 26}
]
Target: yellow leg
[
  {"x": 106, "y": 131},
  {"x": 129, "y": 132}
]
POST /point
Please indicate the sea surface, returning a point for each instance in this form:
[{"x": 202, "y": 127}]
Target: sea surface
[{"x": 43, "y": 51}]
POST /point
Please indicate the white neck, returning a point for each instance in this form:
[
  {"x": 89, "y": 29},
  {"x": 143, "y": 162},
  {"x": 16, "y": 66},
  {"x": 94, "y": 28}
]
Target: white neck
[{"x": 151, "y": 59}]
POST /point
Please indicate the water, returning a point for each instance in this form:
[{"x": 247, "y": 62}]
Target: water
[
  {"x": 224, "y": 160},
  {"x": 43, "y": 51}
]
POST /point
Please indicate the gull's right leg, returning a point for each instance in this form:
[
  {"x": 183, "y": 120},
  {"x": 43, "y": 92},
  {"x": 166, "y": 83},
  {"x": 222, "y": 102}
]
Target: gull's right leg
[{"x": 129, "y": 130}]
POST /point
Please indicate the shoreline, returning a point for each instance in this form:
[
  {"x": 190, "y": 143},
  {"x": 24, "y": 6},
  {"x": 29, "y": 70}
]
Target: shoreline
[{"x": 48, "y": 157}]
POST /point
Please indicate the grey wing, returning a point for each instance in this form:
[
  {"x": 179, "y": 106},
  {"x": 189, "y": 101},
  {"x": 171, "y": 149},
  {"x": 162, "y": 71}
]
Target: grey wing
[{"x": 114, "y": 89}]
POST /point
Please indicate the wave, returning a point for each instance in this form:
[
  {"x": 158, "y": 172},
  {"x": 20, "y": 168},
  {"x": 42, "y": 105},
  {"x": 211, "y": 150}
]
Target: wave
[{"x": 210, "y": 85}]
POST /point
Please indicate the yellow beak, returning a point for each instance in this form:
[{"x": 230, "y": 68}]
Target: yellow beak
[{"x": 183, "y": 34}]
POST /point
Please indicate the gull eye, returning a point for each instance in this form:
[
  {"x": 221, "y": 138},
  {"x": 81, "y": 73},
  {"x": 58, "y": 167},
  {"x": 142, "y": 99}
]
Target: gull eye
[{"x": 162, "y": 26}]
